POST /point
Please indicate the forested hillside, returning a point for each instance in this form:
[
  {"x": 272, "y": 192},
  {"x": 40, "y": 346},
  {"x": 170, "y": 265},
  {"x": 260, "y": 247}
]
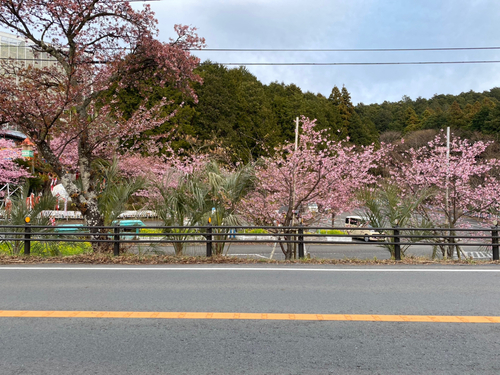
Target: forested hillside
[
  {"x": 242, "y": 118},
  {"x": 240, "y": 112},
  {"x": 468, "y": 112}
]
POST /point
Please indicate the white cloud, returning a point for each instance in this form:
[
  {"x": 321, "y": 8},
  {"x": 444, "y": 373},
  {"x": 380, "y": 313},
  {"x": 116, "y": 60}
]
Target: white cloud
[{"x": 350, "y": 24}]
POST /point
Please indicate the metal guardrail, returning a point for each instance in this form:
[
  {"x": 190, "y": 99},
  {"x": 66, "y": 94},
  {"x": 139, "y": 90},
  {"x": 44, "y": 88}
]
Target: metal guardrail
[
  {"x": 209, "y": 235},
  {"x": 77, "y": 215}
]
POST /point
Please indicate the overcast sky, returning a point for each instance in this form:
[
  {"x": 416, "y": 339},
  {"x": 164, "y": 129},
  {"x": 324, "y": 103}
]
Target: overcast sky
[{"x": 331, "y": 24}]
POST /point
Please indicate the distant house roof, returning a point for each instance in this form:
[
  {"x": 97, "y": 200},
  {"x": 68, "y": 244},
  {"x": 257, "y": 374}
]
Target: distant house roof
[
  {"x": 27, "y": 142},
  {"x": 12, "y": 134}
]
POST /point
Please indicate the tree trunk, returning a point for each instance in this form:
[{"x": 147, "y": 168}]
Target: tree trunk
[
  {"x": 94, "y": 220},
  {"x": 452, "y": 247},
  {"x": 178, "y": 248},
  {"x": 219, "y": 246},
  {"x": 288, "y": 248},
  {"x": 86, "y": 199}
]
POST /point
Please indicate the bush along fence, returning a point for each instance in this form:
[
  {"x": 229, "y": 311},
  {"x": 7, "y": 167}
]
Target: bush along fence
[{"x": 116, "y": 238}]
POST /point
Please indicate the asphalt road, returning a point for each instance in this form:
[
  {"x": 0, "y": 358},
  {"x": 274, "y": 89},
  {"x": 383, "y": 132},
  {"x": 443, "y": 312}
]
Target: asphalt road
[
  {"x": 211, "y": 346},
  {"x": 353, "y": 250}
]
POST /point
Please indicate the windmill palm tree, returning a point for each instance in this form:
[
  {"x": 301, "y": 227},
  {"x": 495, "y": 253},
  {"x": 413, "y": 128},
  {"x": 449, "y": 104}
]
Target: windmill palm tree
[
  {"x": 180, "y": 202},
  {"x": 19, "y": 211},
  {"x": 226, "y": 189},
  {"x": 189, "y": 199}
]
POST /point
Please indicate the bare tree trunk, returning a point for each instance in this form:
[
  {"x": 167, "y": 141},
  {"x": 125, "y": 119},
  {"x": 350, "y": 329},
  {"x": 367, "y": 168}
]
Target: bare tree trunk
[
  {"x": 219, "y": 246},
  {"x": 178, "y": 248},
  {"x": 452, "y": 247},
  {"x": 289, "y": 245},
  {"x": 94, "y": 220}
]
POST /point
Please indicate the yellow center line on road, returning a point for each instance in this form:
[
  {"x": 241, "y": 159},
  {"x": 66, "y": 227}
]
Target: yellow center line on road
[{"x": 247, "y": 316}]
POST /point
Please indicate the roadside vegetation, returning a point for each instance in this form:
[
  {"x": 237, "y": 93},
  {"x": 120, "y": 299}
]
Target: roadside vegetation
[
  {"x": 155, "y": 129},
  {"x": 131, "y": 259},
  {"x": 50, "y": 249}
]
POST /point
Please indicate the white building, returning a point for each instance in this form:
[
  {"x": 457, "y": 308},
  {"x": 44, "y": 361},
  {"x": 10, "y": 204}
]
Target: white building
[
  {"x": 21, "y": 51},
  {"x": 13, "y": 47}
]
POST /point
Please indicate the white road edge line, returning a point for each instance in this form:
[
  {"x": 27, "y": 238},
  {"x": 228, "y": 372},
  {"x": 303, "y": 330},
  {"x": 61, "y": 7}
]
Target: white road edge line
[
  {"x": 263, "y": 269},
  {"x": 255, "y": 255}
]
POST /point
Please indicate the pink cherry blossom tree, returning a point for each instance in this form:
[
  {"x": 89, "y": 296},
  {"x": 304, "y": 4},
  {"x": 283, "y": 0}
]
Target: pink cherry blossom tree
[
  {"x": 10, "y": 171},
  {"x": 100, "y": 47},
  {"x": 319, "y": 171},
  {"x": 465, "y": 183}
]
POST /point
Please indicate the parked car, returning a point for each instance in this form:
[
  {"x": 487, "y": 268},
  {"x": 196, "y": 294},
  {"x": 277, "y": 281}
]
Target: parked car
[
  {"x": 313, "y": 207},
  {"x": 363, "y": 230}
]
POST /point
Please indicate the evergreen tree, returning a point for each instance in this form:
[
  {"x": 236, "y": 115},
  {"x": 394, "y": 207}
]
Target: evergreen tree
[
  {"x": 492, "y": 123},
  {"x": 234, "y": 112},
  {"x": 412, "y": 121},
  {"x": 335, "y": 97},
  {"x": 456, "y": 117},
  {"x": 479, "y": 120}
]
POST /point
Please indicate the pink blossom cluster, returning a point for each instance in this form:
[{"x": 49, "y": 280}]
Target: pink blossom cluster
[
  {"x": 10, "y": 171},
  {"x": 320, "y": 171},
  {"x": 69, "y": 109},
  {"x": 466, "y": 182}
]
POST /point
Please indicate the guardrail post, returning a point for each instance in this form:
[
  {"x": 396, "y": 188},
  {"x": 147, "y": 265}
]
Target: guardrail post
[
  {"x": 397, "y": 246},
  {"x": 494, "y": 242},
  {"x": 209, "y": 239},
  {"x": 116, "y": 244},
  {"x": 27, "y": 238},
  {"x": 301, "y": 241}
]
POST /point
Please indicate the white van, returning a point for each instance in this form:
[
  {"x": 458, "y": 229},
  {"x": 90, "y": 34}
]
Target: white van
[{"x": 363, "y": 229}]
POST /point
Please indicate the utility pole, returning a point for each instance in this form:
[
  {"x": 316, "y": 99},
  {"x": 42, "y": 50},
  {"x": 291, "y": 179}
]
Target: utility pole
[
  {"x": 294, "y": 180},
  {"x": 296, "y": 133},
  {"x": 294, "y": 168},
  {"x": 447, "y": 193}
]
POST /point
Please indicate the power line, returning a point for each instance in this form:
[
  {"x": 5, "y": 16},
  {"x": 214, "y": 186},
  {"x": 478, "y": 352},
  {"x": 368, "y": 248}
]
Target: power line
[
  {"x": 362, "y": 63},
  {"x": 436, "y": 49},
  {"x": 304, "y": 63},
  {"x": 344, "y": 49}
]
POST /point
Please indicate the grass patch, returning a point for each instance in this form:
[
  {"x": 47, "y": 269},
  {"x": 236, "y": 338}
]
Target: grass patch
[
  {"x": 150, "y": 231},
  {"x": 255, "y": 231},
  {"x": 331, "y": 232},
  {"x": 50, "y": 249}
]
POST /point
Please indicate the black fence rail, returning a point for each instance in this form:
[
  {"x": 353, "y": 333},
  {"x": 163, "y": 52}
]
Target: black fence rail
[{"x": 209, "y": 235}]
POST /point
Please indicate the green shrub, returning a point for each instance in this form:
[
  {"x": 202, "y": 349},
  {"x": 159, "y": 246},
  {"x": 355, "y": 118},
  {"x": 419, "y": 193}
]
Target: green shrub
[
  {"x": 255, "y": 231},
  {"x": 50, "y": 248},
  {"x": 150, "y": 231},
  {"x": 331, "y": 231}
]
